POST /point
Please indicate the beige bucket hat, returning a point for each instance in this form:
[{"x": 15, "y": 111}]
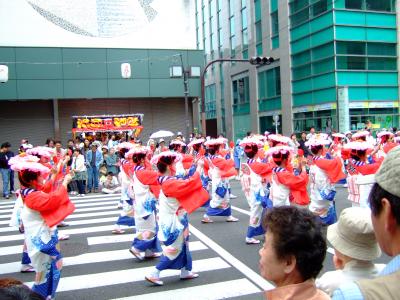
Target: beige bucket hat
[{"x": 353, "y": 235}]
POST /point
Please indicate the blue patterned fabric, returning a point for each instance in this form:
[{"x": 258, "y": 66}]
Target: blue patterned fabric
[
  {"x": 49, "y": 287},
  {"x": 126, "y": 221},
  {"x": 328, "y": 195},
  {"x": 183, "y": 260},
  {"x": 26, "y": 260},
  {"x": 255, "y": 231},
  {"x": 48, "y": 248},
  {"x": 331, "y": 217},
  {"x": 143, "y": 245},
  {"x": 221, "y": 191},
  {"x": 219, "y": 211}
]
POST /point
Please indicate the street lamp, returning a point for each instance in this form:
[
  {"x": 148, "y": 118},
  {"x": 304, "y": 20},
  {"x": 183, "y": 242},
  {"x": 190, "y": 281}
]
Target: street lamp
[{"x": 257, "y": 60}]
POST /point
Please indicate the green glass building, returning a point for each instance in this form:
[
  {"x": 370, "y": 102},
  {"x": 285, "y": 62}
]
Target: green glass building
[{"x": 319, "y": 46}]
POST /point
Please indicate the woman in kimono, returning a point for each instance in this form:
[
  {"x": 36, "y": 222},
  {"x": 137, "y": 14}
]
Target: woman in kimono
[
  {"x": 253, "y": 179},
  {"x": 146, "y": 243},
  {"x": 41, "y": 213},
  {"x": 324, "y": 173},
  {"x": 126, "y": 217},
  {"x": 361, "y": 170},
  {"x": 288, "y": 185},
  {"x": 44, "y": 154},
  {"x": 177, "y": 198},
  {"x": 220, "y": 170}
]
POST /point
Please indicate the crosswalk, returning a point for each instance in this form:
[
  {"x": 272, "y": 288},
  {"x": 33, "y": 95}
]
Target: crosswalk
[{"x": 98, "y": 265}]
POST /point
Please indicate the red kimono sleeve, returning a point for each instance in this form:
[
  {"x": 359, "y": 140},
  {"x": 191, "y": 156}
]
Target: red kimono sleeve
[
  {"x": 54, "y": 207},
  {"x": 297, "y": 186},
  {"x": 187, "y": 161},
  {"x": 389, "y": 146},
  {"x": 226, "y": 167},
  {"x": 189, "y": 192},
  {"x": 262, "y": 169},
  {"x": 206, "y": 167},
  {"x": 369, "y": 169},
  {"x": 147, "y": 177},
  {"x": 332, "y": 167}
]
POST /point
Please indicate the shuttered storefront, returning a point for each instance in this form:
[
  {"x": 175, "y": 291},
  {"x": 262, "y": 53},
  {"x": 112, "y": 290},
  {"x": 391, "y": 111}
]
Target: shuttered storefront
[{"x": 26, "y": 119}]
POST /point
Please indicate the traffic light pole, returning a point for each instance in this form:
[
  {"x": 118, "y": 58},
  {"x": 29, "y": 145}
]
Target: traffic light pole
[
  {"x": 258, "y": 60},
  {"x": 203, "y": 100}
]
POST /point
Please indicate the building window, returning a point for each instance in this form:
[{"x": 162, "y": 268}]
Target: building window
[
  {"x": 220, "y": 36},
  {"x": 354, "y": 4},
  {"x": 305, "y": 10},
  {"x": 232, "y": 39},
  {"x": 366, "y": 56},
  {"x": 319, "y": 7},
  {"x": 374, "y": 5},
  {"x": 210, "y": 102},
  {"x": 245, "y": 34},
  {"x": 274, "y": 24},
  {"x": 269, "y": 83},
  {"x": 258, "y": 26}
]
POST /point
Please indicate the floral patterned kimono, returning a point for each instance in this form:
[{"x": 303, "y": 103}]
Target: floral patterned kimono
[
  {"x": 360, "y": 179},
  {"x": 324, "y": 173},
  {"x": 220, "y": 170},
  {"x": 287, "y": 187},
  {"x": 40, "y": 215},
  {"x": 255, "y": 190},
  {"x": 145, "y": 210},
  {"x": 177, "y": 198},
  {"x": 126, "y": 217}
]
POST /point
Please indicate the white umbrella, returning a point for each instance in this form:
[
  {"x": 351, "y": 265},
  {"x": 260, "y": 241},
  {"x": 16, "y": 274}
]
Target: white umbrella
[{"x": 161, "y": 134}]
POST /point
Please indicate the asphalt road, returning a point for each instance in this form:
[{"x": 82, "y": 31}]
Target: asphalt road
[{"x": 99, "y": 266}]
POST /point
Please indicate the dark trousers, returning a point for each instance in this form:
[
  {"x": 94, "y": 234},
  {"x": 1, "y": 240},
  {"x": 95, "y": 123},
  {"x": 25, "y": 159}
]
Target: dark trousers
[
  {"x": 81, "y": 186},
  {"x": 12, "y": 181}
]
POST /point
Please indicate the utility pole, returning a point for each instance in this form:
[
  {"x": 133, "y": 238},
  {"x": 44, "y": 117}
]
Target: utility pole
[{"x": 186, "y": 93}]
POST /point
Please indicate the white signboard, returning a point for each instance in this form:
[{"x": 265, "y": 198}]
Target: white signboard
[
  {"x": 343, "y": 109},
  {"x": 154, "y": 24}
]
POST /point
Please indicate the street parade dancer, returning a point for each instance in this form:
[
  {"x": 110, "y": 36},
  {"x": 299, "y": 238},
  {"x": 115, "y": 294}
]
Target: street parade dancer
[
  {"x": 197, "y": 151},
  {"x": 288, "y": 185},
  {"x": 44, "y": 154},
  {"x": 41, "y": 213},
  {"x": 254, "y": 174},
  {"x": 177, "y": 198},
  {"x": 324, "y": 173},
  {"x": 220, "y": 169},
  {"x": 145, "y": 243},
  {"x": 126, "y": 217},
  {"x": 361, "y": 170}
]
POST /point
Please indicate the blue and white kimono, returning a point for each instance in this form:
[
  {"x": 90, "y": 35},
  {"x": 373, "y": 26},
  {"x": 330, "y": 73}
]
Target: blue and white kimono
[
  {"x": 42, "y": 245},
  {"x": 145, "y": 212},
  {"x": 173, "y": 232}
]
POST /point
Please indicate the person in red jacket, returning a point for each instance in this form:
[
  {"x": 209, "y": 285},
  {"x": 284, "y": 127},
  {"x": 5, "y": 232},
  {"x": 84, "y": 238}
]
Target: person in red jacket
[
  {"x": 177, "y": 198},
  {"x": 41, "y": 213},
  {"x": 288, "y": 186},
  {"x": 220, "y": 170},
  {"x": 144, "y": 184},
  {"x": 253, "y": 180}
]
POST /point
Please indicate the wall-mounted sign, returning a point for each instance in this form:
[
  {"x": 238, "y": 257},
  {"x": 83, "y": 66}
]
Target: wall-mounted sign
[{"x": 107, "y": 123}]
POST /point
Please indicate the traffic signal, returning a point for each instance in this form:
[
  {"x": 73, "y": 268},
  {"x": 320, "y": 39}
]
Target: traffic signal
[{"x": 261, "y": 60}]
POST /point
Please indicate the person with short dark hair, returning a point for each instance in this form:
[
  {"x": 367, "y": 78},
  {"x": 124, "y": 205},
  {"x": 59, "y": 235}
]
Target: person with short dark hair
[
  {"x": 19, "y": 292},
  {"x": 5, "y": 155},
  {"x": 293, "y": 254},
  {"x": 384, "y": 201}
]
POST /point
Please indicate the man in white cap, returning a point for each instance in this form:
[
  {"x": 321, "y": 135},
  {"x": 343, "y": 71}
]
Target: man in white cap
[
  {"x": 179, "y": 136},
  {"x": 355, "y": 245},
  {"x": 384, "y": 201}
]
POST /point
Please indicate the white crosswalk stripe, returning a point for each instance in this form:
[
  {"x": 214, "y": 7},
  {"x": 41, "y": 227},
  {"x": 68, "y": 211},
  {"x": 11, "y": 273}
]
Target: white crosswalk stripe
[{"x": 92, "y": 223}]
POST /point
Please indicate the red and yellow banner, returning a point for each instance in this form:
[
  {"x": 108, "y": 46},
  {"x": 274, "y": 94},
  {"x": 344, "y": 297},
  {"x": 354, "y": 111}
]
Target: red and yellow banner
[{"x": 107, "y": 123}]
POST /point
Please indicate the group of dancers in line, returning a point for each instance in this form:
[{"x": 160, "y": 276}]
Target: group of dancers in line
[{"x": 160, "y": 190}]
